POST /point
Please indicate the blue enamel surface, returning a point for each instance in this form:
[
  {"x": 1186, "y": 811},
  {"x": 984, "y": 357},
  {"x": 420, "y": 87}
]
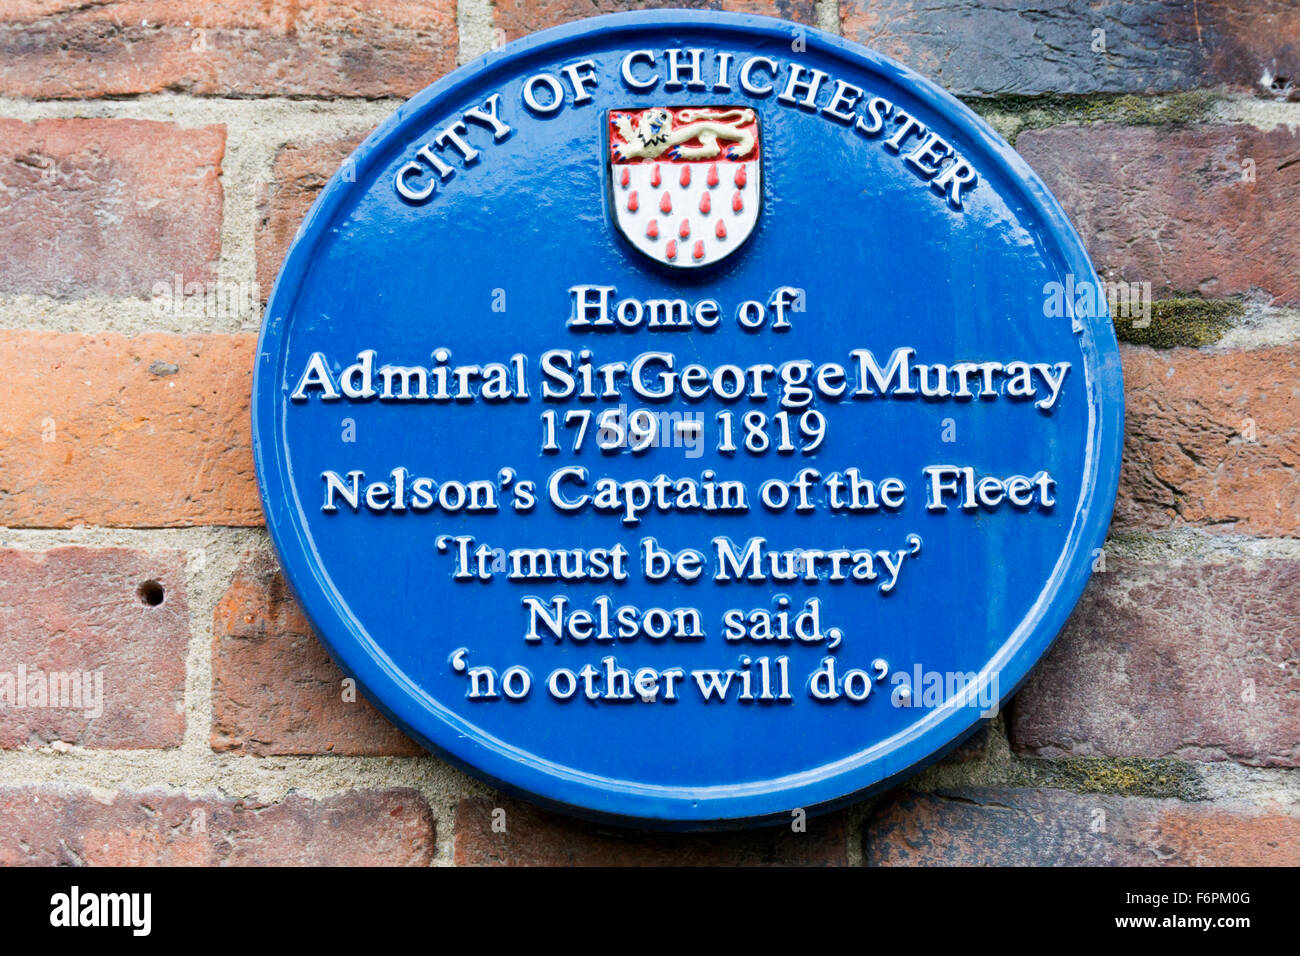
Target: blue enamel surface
[{"x": 884, "y": 262}]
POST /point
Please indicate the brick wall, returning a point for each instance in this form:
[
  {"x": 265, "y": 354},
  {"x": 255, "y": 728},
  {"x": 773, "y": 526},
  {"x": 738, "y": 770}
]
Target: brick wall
[{"x": 148, "y": 146}]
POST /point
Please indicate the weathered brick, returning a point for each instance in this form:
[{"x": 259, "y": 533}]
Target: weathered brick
[
  {"x": 1211, "y": 440},
  {"x": 59, "y": 826},
  {"x": 520, "y": 17},
  {"x": 1184, "y": 659},
  {"x": 94, "y": 432},
  {"x": 298, "y": 175},
  {"x": 68, "y": 49},
  {"x": 1207, "y": 209},
  {"x": 1022, "y": 827},
  {"x": 535, "y": 837},
  {"x": 977, "y": 47},
  {"x": 274, "y": 688},
  {"x": 108, "y": 206},
  {"x": 100, "y": 636}
]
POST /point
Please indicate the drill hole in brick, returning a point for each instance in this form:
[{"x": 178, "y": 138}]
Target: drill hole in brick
[{"x": 151, "y": 593}]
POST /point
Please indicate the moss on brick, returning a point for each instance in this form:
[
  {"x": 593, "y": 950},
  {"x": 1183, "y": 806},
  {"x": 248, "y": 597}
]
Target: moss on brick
[
  {"x": 1183, "y": 108},
  {"x": 1128, "y": 109},
  {"x": 1174, "y": 322},
  {"x": 1132, "y": 777}
]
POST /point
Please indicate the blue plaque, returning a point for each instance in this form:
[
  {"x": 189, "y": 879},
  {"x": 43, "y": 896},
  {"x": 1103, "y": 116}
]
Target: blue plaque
[{"x": 687, "y": 419}]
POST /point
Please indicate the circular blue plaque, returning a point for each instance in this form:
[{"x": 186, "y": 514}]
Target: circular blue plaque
[{"x": 687, "y": 419}]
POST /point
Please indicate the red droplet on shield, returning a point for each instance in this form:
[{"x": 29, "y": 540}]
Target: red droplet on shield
[
  {"x": 737, "y": 203},
  {"x": 713, "y": 175},
  {"x": 699, "y": 249},
  {"x": 672, "y": 248},
  {"x": 721, "y": 231},
  {"x": 632, "y": 204},
  {"x": 684, "y": 230},
  {"x": 686, "y": 175},
  {"x": 652, "y": 230},
  {"x": 666, "y": 203},
  {"x": 654, "y": 176},
  {"x": 626, "y": 178},
  {"x": 705, "y": 203},
  {"x": 740, "y": 177}
]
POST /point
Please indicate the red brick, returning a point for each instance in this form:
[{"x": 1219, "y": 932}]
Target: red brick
[
  {"x": 1015, "y": 827},
  {"x": 94, "y": 432},
  {"x": 974, "y": 47},
  {"x": 80, "y": 612},
  {"x": 1179, "y": 659},
  {"x": 274, "y": 688},
  {"x": 521, "y": 17},
  {"x": 298, "y": 175},
  {"x": 536, "y": 837},
  {"x": 108, "y": 206},
  {"x": 1188, "y": 454},
  {"x": 1170, "y": 206},
  {"x": 68, "y": 49},
  {"x": 50, "y": 825}
]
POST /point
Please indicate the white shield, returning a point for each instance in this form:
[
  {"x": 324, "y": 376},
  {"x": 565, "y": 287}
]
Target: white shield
[{"x": 685, "y": 182}]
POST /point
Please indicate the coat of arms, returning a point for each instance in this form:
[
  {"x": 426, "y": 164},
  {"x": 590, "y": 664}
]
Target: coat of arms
[{"x": 685, "y": 181}]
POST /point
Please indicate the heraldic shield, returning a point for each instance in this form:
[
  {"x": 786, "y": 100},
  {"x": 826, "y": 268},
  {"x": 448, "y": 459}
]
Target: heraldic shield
[{"x": 685, "y": 181}]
